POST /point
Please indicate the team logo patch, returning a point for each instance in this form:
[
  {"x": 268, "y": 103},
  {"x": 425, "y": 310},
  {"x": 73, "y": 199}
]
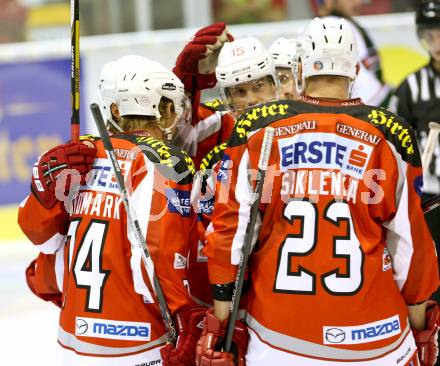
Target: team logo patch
[
  {"x": 206, "y": 206},
  {"x": 418, "y": 185},
  {"x": 364, "y": 333},
  {"x": 334, "y": 335},
  {"x": 112, "y": 329},
  {"x": 200, "y": 256},
  {"x": 324, "y": 151},
  {"x": 318, "y": 66},
  {"x": 179, "y": 201},
  {"x": 81, "y": 326},
  {"x": 225, "y": 165},
  {"x": 386, "y": 260},
  {"x": 168, "y": 86},
  {"x": 179, "y": 261}
]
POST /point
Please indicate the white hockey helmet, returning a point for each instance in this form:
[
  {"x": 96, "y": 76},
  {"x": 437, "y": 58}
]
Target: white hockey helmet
[
  {"x": 283, "y": 52},
  {"x": 140, "y": 89},
  {"x": 107, "y": 84},
  {"x": 107, "y": 91},
  {"x": 328, "y": 47},
  {"x": 243, "y": 60}
]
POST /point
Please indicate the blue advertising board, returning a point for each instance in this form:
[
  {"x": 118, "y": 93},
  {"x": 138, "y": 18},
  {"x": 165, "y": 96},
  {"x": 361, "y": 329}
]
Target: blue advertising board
[{"x": 35, "y": 115}]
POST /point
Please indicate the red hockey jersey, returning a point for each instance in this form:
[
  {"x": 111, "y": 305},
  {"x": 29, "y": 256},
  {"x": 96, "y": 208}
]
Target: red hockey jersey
[
  {"x": 108, "y": 307},
  {"x": 343, "y": 245}
]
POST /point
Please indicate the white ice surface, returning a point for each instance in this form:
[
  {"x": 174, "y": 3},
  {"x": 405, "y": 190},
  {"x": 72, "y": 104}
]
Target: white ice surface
[{"x": 28, "y": 325}]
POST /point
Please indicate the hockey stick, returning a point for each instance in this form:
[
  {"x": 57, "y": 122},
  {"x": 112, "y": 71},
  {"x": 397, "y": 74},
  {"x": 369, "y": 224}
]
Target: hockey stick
[
  {"x": 246, "y": 251},
  {"x": 134, "y": 224},
  {"x": 431, "y": 204},
  {"x": 434, "y": 130},
  {"x": 74, "y": 76},
  {"x": 431, "y": 143}
]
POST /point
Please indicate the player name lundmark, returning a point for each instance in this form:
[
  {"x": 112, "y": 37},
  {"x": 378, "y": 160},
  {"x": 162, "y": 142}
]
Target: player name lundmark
[{"x": 99, "y": 204}]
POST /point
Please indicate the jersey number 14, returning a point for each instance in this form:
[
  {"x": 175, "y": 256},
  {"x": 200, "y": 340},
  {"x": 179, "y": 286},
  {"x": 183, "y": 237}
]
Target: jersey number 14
[{"x": 87, "y": 266}]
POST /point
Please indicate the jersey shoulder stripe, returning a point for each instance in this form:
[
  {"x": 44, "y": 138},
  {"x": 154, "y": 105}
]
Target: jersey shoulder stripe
[
  {"x": 259, "y": 117},
  {"x": 215, "y": 105},
  {"x": 89, "y": 137},
  {"x": 213, "y": 156},
  {"x": 396, "y": 130},
  {"x": 173, "y": 163}
]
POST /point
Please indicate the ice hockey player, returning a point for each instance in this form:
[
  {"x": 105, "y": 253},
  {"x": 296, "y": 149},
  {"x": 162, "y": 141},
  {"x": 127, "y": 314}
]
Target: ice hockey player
[
  {"x": 341, "y": 227},
  {"x": 283, "y": 52},
  {"x": 109, "y": 313},
  {"x": 417, "y": 100},
  {"x": 246, "y": 76},
  {"x": 369, "y": 84}
]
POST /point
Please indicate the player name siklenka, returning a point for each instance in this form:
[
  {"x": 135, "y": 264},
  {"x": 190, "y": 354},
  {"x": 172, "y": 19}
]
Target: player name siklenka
[{"x": 313, "y": 183}]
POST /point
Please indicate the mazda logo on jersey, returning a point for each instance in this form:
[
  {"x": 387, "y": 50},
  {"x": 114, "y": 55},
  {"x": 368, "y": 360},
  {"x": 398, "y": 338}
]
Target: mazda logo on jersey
[
  {"x": 335, "y": 335},
  {"x": 112, "y": 329},
  {"x": 324, "y": 151},
  {"x": 364, "y": 333},
  {"x": 81, "y": 326}
]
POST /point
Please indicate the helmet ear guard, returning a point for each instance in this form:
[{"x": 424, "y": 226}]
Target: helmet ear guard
[
  {"x": 183, "y": 118},
  {"x": 299, "y": 84},
  {"x": 106, "y": 93}
]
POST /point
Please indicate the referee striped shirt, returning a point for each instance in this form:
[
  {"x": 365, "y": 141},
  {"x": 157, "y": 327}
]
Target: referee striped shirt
[{"x": 417, "y": 99}]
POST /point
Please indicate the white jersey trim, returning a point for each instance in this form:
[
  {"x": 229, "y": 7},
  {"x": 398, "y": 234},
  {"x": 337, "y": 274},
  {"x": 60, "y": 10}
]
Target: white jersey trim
[
  {"x": 209, "y": 126},
  {"x": 140, "y": 204},
  {"x": 59, "y": 268},
  {"x": 243, "y": 197},
  {"x": 70, "y": 341},
  {"x": 68, "y": 357},
  {"x": 399, "y": 239},
  {"x": 261, "y": 353},
  {"x": 52, "y": 245},
  {"x": 310, "y": 349}
]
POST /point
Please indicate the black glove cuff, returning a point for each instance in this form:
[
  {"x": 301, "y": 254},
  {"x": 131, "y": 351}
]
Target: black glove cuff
[{"x": 223, "y": 292}]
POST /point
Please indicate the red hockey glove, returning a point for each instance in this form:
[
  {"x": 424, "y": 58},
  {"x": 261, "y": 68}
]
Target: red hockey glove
[
  {"x": 426, "y": 340},
  {"x": 189, "y": 322},
  {"x": 209, "y": 344},
  {"x": 73, "y": 155},
  {"x": 196, "y": 64},
  {"x": 40, "y": 280}
]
